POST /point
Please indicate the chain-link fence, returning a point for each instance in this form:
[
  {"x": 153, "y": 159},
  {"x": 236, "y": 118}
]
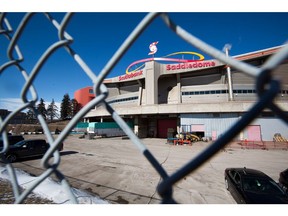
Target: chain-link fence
[{"x": 267, "y": 88}]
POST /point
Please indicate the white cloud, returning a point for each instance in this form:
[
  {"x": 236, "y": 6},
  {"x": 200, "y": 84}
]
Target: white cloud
[{"x": 12, "y": 104}]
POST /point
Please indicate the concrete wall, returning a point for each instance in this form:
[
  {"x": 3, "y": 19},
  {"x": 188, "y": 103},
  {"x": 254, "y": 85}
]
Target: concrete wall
[
  {"x": 129, "y": 88},
  {"x": 167, "y": 90},
  {"x": 113, "y": 91}
]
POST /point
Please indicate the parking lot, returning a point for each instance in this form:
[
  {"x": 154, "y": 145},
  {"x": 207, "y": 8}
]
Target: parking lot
[{"x": 115, "y": 170}]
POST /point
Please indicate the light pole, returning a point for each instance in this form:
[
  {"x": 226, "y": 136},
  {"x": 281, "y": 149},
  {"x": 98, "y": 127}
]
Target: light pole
[{"x": 226, "y": 48}]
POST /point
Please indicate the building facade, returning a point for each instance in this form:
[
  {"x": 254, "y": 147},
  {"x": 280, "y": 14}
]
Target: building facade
[{"x": 197, "y": 97}]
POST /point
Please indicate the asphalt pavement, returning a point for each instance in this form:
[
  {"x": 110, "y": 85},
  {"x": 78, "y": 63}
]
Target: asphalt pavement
[{"x": 116, "y": 171}]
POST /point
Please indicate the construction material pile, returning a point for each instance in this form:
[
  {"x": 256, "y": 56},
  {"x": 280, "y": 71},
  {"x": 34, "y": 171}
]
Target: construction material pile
[
  {"x": 188, "y": 136},
  {"x": 278, "y": 138}
]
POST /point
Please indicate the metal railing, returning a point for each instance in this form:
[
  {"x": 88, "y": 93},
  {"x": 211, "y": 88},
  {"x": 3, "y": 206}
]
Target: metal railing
[{"x": 267, "y": 88}]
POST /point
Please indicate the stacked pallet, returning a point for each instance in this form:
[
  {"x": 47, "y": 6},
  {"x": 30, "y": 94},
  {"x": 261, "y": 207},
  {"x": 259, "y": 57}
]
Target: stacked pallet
[{"x": 278, "y": 138}]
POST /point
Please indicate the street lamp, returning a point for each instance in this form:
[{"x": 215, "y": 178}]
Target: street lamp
[{"x": 226, "y": 48}]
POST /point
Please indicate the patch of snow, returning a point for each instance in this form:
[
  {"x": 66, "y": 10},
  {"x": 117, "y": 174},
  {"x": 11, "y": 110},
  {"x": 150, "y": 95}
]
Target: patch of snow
[{"x": 51, "y": 190}]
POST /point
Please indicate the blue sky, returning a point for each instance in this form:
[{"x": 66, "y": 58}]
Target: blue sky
[{"x": 98, "y": 35}]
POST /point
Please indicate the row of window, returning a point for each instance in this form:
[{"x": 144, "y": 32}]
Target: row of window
[
  {"x": 123, "y": 100},
  {"x": 235, "y": 91},
  {"x": 205, "y": 92}
]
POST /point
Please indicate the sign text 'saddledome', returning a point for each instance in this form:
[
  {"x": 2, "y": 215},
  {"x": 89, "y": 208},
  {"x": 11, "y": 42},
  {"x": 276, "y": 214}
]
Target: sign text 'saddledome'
[{"x": 198, "y": 64}]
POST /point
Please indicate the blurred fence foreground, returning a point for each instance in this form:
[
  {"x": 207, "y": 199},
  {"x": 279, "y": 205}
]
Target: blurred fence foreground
[{"x": 267, "y": 88}]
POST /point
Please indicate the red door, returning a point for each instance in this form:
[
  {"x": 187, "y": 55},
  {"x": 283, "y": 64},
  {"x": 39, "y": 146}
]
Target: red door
[
  {"x": 254, "y": 133},
  {"x": 163, "y": 125}
]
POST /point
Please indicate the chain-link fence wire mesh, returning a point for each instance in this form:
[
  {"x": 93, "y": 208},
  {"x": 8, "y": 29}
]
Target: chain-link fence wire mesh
[{"x": 267, "y": 88}]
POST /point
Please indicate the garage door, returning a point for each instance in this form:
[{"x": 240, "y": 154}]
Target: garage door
[
  {"x": 164, "y": 124},
  {"x": 254, "y": 133},
  {"x": 197, "y": 128}
]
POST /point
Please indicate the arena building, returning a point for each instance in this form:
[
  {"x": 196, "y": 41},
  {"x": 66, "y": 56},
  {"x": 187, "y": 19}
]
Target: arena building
[{"x": 198, "y": 97}]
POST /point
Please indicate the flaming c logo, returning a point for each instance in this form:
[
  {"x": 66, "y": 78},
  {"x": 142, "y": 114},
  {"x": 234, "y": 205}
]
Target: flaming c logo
[{"x": 153, "y": 50}]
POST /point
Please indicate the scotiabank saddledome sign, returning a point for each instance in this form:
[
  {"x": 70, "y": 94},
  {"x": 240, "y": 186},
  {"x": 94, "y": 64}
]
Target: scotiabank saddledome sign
[{"x": 183, "y": 64}]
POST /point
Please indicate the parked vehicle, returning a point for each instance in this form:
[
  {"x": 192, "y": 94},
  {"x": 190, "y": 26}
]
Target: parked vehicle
[
  {"x": 12, "y": 139},
  {"x": 253, "y": 187},
  {"x": 283, "y": 179},
  {"x": 27, "y": 148}
]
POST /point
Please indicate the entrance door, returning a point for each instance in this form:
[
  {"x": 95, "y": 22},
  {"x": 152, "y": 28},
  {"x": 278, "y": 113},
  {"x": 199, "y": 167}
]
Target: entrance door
[{"x": 254, "y": 132}]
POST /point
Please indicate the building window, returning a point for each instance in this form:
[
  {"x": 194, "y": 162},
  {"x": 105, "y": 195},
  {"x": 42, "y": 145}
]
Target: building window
[
  {"x": 123, "y": 100},
  {"x": 224, "y": 91},
  {"x": 216, "y": 115}
]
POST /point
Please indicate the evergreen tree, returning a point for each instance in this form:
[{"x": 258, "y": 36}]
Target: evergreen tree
[
  {"x": 52, "y": 111},
  {"x": 65, "y": 111},
  {"x": 41, "y": 108},
  {"x": 75, "y": 107},
  {"x": 30, "y": 115}
]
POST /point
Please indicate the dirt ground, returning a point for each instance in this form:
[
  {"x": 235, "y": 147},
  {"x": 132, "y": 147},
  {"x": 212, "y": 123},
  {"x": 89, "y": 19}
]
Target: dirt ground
[{"x": 115, "y": 170}]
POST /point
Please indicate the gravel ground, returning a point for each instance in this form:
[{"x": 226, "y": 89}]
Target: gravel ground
[{"x": 7, "y": 196}]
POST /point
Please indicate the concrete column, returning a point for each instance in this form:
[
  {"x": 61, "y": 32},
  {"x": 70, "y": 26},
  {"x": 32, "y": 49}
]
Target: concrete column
[
  {"x": 151, "y": 82},
  {"x": 118, "y": 88},
  {"x": 179, "y": 88},
  {"x": 178, "y": 125},
  {"x": 140, "y": 93},
  {"x": 150, "y": 85}
]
